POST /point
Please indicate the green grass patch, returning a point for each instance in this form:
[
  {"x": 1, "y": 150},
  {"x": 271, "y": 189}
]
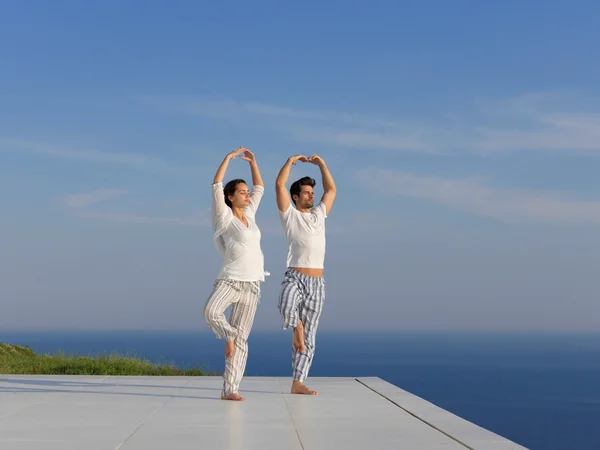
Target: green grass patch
[{"x": 15, "y": 359}]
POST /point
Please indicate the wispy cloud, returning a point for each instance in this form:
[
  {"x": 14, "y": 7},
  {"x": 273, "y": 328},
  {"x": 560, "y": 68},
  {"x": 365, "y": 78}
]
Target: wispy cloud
[
  {"x": 133, "y": 160},
  {"x": 550, "y": 132},
  {"x": 232, "y": 109},
  {"x": 86, "y": 199},
  {"x": 532, "y": 104},
  {"x": 193, "y": 220},
  {"x": 327, "y": 126},
  {"x": 474, "y": 196},
  {"x": 79, "y": 205},
  {"x": 557, "y": 121},
  {"x": 414, "y": 140}
]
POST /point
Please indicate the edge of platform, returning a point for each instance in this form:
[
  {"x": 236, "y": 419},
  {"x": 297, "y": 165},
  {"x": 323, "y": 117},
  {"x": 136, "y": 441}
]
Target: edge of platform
[{"x": 466, "y": 433}]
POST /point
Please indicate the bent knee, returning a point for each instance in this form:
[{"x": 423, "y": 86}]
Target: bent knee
[{"x": 211, "y": 316}]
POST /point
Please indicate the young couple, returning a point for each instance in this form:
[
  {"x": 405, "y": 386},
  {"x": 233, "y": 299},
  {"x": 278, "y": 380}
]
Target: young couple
[{"x": 237, "y": 237}]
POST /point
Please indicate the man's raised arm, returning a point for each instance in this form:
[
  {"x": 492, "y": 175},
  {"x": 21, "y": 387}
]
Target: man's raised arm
[
  {"x": 328, "y": 183},
  {"x": 282, "y": 195}
]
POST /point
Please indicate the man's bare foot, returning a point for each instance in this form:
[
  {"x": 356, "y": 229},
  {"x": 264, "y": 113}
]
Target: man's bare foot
[
  {"x": 229, "y": 348},
  {"x": 233, "y": 397},
  {"x": 299, "y": 388},
  {"x": 299, "y": 338}
]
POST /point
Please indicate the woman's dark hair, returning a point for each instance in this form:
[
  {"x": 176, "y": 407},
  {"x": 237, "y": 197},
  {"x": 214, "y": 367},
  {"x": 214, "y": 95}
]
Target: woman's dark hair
[
  {"x": 295, "y": 187},
  {"x": 230, "y": 188}
]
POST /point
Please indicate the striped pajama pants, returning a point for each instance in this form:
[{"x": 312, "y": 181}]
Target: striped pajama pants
[
  {"x": 301, "y": 298},
  {"x": 243, "y": 296}
]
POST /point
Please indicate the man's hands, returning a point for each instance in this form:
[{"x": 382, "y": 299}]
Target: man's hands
[
  {"x": 294, "y": 159},
  {"x": 314, "y": 159}
]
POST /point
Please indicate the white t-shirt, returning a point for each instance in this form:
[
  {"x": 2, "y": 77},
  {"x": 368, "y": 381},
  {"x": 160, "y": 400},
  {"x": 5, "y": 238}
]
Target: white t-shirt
[
  {"x": 305, "y": 234},
  {"x": 243, "y": 259}
]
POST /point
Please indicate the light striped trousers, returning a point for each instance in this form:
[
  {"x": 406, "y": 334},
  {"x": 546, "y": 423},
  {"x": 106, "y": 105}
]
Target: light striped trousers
[
  {"x": 301, "y": 298},
  {"x": 243, "y": 296}
]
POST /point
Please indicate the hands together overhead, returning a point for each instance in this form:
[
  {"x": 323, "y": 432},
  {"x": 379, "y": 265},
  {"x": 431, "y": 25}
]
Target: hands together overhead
[
  {"x": 294, "y": 159},
  {"x": 314, "y": 159},
  {"x": 243, "y": 153},
  {"x": 234, "y": 153},
  {"x": 248, "y": 156}
]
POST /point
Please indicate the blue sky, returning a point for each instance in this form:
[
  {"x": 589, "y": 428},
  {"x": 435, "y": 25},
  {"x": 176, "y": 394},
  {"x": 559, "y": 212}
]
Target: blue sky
[{"x": 464, "y": 138}]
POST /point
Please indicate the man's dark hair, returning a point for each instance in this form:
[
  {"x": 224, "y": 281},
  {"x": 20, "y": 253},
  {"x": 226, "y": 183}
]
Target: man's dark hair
[
  {"x": 295, "y": 187},
  {"x": 230, "y": 188}
]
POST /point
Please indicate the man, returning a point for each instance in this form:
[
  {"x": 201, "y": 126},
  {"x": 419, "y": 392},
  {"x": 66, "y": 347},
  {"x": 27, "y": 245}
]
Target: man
[{"x": 303, "y": 287}]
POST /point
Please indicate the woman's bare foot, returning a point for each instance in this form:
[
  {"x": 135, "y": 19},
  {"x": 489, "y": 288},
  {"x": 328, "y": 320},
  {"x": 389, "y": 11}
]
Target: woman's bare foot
[
  {"x": 299, "y": 338},
  {"x": 299, "y": 388},
  {"x": 233, "y": 397},
  {"x": 229, "y": 348}
]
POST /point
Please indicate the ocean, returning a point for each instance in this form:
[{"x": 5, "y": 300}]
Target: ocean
[{"x": 539, "y": 390}]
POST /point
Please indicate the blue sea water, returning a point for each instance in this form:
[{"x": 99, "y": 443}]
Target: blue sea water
[{"x": 541, "y": 391}]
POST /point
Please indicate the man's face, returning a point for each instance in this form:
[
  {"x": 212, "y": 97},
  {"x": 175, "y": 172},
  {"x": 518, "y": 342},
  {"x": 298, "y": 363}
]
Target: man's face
[{"x": 306, "y": 198}]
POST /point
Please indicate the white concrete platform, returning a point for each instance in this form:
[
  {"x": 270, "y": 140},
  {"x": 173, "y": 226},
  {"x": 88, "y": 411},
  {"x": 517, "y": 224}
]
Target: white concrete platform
[{"x": 145, "y": 413}]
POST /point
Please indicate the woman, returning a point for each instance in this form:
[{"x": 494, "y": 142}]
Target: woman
[{"x": 237, "y": 237}]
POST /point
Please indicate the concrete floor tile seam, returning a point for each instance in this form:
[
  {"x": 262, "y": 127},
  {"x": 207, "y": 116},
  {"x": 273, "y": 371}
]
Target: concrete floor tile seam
[
  {"x": 22, "y": 409},
  {"x": 416, "y": 416},
  {"x": 287, "y": 407},
  {"x": 102, "y": 389},
  {"x": 147, "y": 419},
  {"x": 443, "y": 418},
  {"x": 50, "y": 397}
]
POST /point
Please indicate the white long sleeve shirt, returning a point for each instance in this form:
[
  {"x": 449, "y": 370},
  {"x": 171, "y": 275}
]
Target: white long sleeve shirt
[{"x": 243, "y": 259}]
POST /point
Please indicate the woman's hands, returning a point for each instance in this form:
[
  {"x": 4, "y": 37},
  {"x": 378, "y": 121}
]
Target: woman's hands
[
  {"x": 248, "y": 156},
  {"x": 233, "y": 154},
  {"x": 243, "y": 153}
]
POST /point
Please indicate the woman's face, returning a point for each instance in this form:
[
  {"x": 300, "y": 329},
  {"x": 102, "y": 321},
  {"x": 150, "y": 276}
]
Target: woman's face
[{"x": 241, "y": 196}]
